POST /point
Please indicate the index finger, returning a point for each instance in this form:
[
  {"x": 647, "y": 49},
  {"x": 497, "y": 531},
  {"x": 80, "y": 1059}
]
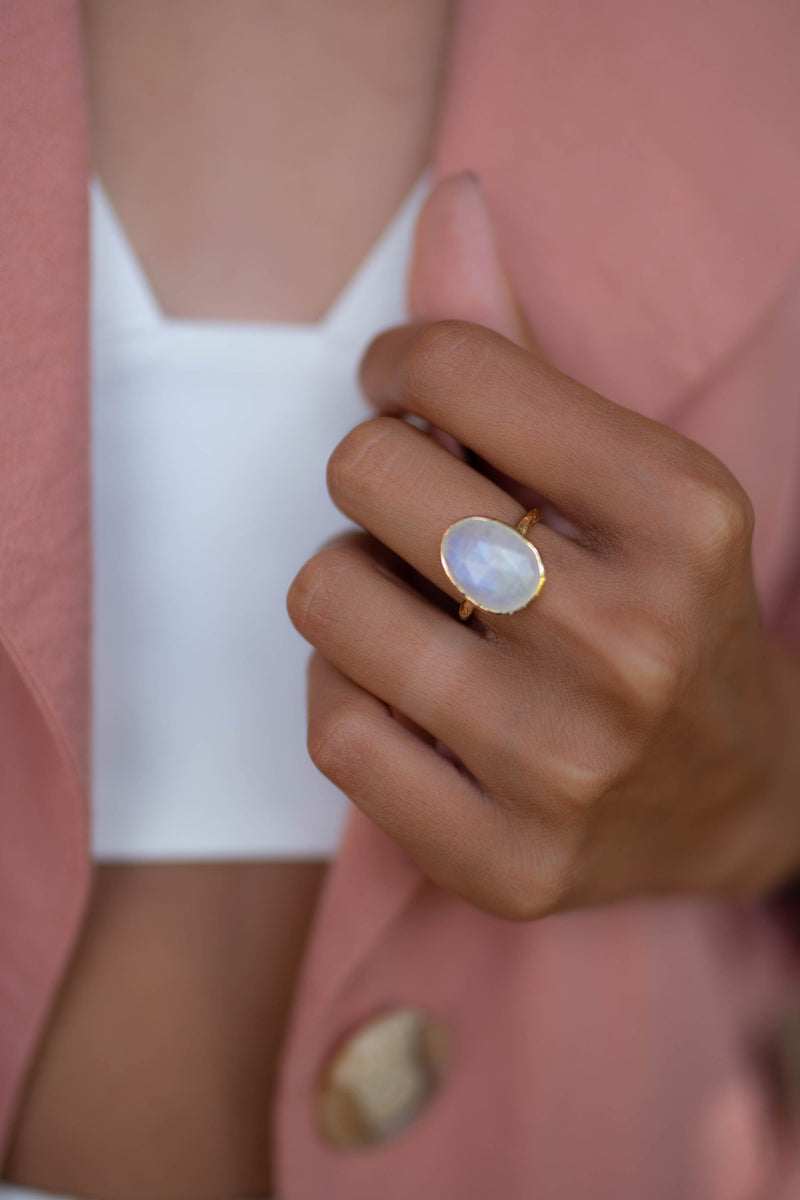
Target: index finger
[{"x": 604, "y": 466}]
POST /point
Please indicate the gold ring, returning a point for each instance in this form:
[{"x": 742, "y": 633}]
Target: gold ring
[{"x": 493, "y": 565}]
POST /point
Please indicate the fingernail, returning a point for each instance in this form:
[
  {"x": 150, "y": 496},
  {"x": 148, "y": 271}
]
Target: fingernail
[{"x": 474, "y": 179}]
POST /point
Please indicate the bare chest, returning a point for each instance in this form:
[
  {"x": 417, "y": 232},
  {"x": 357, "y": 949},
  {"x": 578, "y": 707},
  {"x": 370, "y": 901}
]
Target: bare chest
[{"x": 255, "y": 151}]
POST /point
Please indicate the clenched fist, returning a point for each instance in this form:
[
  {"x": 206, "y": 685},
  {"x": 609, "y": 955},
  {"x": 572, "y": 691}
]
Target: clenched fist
[{"x": 634, "y": 729}]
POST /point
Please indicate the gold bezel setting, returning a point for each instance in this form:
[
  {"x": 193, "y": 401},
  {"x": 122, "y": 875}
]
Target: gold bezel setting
[{"x": 471, "y": 599}]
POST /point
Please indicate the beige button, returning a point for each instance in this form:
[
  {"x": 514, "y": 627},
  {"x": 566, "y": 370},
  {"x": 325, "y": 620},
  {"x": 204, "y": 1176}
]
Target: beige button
[{"x": 380, "y": 1077}]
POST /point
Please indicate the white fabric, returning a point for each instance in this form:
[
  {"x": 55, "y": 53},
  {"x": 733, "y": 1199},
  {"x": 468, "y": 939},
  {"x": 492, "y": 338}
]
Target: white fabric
[{"x": 209, "y": 446}]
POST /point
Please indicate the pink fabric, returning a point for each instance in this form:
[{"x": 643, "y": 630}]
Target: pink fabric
[
  {"x": 642, "y": 165},
  {"x": 44, "y": 520}
]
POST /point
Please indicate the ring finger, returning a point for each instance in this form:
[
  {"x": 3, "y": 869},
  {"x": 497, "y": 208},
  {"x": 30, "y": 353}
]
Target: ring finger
[{"x": 405, "y": 489}]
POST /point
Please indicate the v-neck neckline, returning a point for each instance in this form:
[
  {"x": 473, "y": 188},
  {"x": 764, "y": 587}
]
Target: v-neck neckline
[{"x": 118, "y": 272}]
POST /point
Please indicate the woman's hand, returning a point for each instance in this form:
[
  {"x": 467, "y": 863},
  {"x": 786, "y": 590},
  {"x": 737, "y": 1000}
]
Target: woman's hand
[{"x": 634, "y": 729}]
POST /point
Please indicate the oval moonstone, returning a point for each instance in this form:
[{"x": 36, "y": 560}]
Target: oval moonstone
[{"x": 492, "y": 564}]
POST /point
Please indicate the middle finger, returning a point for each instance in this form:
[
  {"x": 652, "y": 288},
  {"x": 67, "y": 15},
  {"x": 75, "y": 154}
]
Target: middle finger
[{"x": 388, "y": 639}]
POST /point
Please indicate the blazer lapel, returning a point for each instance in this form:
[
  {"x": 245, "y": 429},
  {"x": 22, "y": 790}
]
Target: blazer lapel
[
  {"x": 370, "y": 883},
  {"x": 642, "y": 165},
  {"x": 44, "y": 519}
]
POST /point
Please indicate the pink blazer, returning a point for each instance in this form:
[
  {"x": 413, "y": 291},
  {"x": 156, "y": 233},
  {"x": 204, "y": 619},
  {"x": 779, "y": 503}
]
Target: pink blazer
[{"x": 642, "y": 163}]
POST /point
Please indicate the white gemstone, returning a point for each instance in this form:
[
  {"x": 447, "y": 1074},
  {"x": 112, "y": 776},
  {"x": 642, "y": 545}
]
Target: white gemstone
[{"x": 492, "y": 564}]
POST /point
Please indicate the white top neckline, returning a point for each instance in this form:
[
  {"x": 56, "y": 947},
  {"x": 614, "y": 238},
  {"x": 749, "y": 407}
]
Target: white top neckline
[
  {"x": 120, "y": 284},
  {"x": 209, "y": 448}
]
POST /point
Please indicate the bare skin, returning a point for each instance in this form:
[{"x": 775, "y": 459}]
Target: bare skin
[
  {"x": 256, "y": 151},
  {"x": 235, "y": 141}
]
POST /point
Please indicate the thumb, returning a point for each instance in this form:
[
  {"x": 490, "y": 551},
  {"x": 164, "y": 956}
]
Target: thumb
[
  {"x": 456, "y": 270},
  {"x": 457, "y": 273}
]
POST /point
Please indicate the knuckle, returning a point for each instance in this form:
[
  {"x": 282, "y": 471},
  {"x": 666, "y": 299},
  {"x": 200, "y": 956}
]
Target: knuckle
[
  {"x": 363, "y": 458},
  {"x": 529, "y": 898},
  {"x": 720, "y": 518},
  {"x": 314, "y": 595},
  {"x": 529, "y": 877},
  {"x": 337, "y": 745},
  {"x": 649, "y": 664},
  {"x": 440, "y": 355},
  {"x": 581, "y": 785},
  {"x": 517, "y": 906},
  {"x": 513, "y": 899}
]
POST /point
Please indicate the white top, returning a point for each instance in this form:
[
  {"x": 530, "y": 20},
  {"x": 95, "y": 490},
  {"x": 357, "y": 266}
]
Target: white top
[{"x": 209, "y": 446}]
